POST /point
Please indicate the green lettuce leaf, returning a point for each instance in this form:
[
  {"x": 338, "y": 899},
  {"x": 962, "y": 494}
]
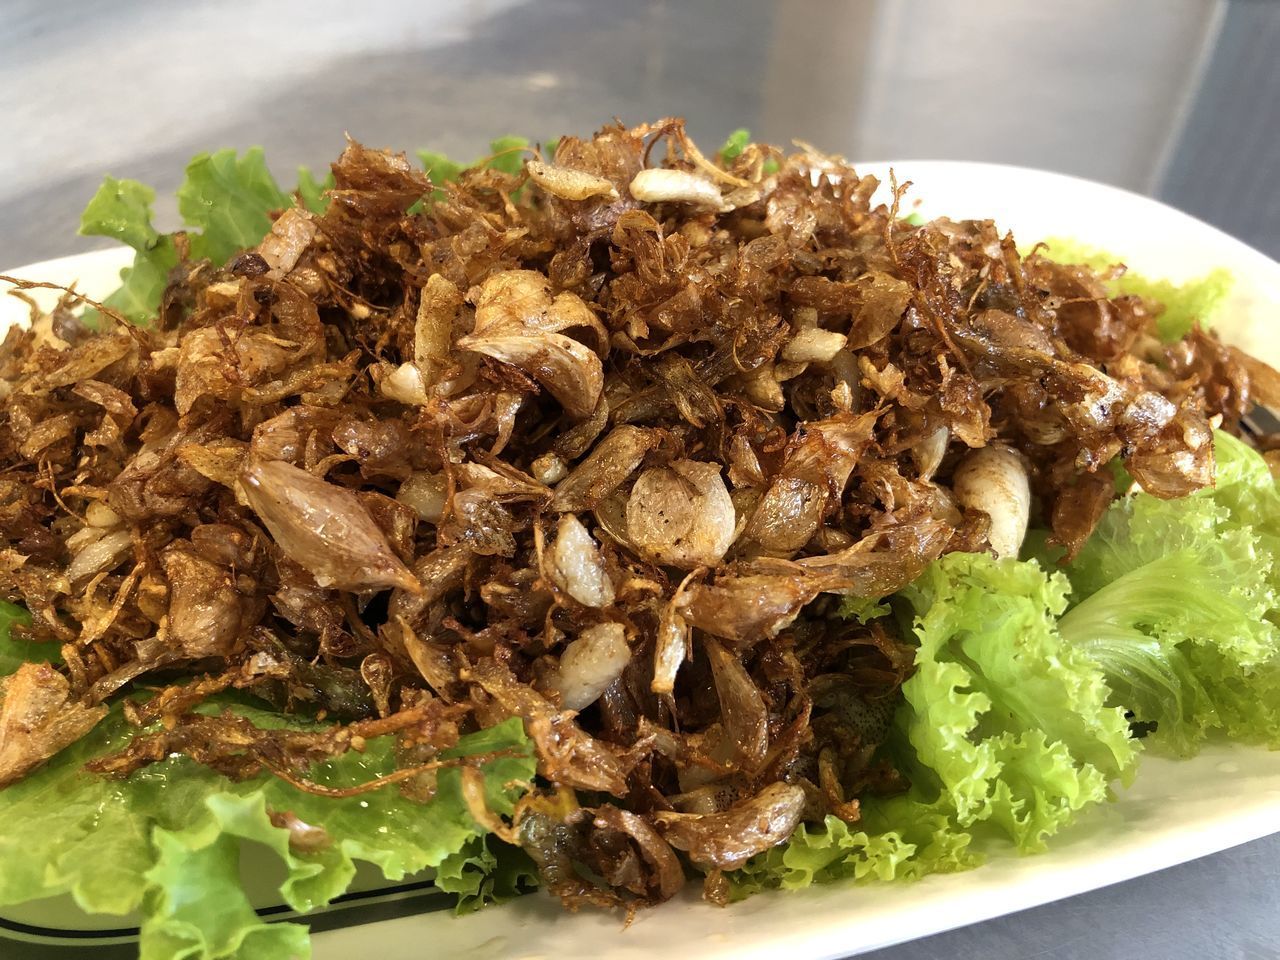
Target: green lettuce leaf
[
  {"x": 14, "y": 653},
  {"x": 198, "y": 907},
  {"x": 862, "y": 609},
  {"x": 312, "y": 192},
  {"x": 1178, "y": 602},
  {"x": 1007, "y": 722},
  {"x": 1002, "y": 722},
  {"x": 1244, "y": 484},
  {"x": 900, "y": 838},
  {"x": 507, "y": 154},
  {"x": 121, "y": 209},
  {"x": 1184, "y": 303},
  {"x": 439, "y": 167},
  {"x": 486, "y": 870},
  {"x": 735, "y": 144},
  {"x": 229, "y": 198},
  {"x": 198, "y": 896},
  {"x": 441, "y": 170},
  {"x": 167, "y": 840}
]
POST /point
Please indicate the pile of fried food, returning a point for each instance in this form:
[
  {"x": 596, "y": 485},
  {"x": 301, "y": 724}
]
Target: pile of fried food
[{"x": 602, "y": 445}]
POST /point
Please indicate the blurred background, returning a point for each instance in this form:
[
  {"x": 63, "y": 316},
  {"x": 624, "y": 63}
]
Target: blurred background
[{"x": 1170, "y": 98}]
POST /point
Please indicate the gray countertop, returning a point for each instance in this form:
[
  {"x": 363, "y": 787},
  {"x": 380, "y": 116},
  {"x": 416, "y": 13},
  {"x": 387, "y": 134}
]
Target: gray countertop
[
  {"x": 1174, "y": 99},
  {"x": 1220, "y": 908}
]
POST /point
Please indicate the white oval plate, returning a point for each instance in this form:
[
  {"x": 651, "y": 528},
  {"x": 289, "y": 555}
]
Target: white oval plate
[{"x": 1176, "y": 811}]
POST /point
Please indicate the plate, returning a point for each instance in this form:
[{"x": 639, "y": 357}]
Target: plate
[{"x": 1176, "y": 810}]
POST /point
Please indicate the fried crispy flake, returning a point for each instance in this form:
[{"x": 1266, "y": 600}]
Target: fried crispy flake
[{"x": 590, "y": 444}]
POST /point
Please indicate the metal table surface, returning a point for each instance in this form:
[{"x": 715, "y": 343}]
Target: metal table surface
[{"x": 1170, "y": 97}]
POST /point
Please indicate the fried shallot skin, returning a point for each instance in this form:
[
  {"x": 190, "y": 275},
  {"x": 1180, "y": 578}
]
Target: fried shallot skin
[{"x": 597, "y": 445}]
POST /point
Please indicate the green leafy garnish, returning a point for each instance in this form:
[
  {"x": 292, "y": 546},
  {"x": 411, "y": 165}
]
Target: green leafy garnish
[
  {"x": 312, "y": 192},
  {"x": 898, "y": 838},
  {"x": 14, "y": 653},
  {"x": 1007, "y": 721},
  {"x": 486, "y": 871},
  {"x": 735, "y": 144},
  {"x": 1003, "y": 722},
  {"x": 121, "y": 209},
  {"x": 229, "y": 198},
  {"x": 862, "y": 609},
  {"x": 439, "y": 167},
  {"x": 507, "y": 154},
  {"x": 1178, "y": 601},
  {"x": 167, "y": 840},
  {"x": 1184, "y": 303}
]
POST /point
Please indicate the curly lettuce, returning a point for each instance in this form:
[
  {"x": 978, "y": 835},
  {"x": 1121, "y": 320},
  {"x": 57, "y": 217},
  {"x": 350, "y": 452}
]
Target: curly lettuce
[
  {"x": 1178, "y": 602},
  {"x": 485, "y": 871},
  {"x": 898, "y": 838},
  {"x": 312, "y": 193},
  {"x": 121, "y": 210},
  {"x": 1184, "y": 304},
  {"x": 1007, "y": 721},
  {"x": 166, "y": 842},
  {"x": 14, "y": 653},
  {"x": 506, "y": 154},
  {"x": 1003, "y": 722},
  {"x": 231, "y": 199},
  {"x": 227, "y": 201}
]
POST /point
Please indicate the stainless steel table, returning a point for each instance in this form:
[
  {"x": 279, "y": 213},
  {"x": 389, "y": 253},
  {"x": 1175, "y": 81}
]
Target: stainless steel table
[{"x": 1171, "y": 97}]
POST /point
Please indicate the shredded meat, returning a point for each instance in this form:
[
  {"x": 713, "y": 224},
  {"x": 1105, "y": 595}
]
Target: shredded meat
[{"x": 597, "y": 446}]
